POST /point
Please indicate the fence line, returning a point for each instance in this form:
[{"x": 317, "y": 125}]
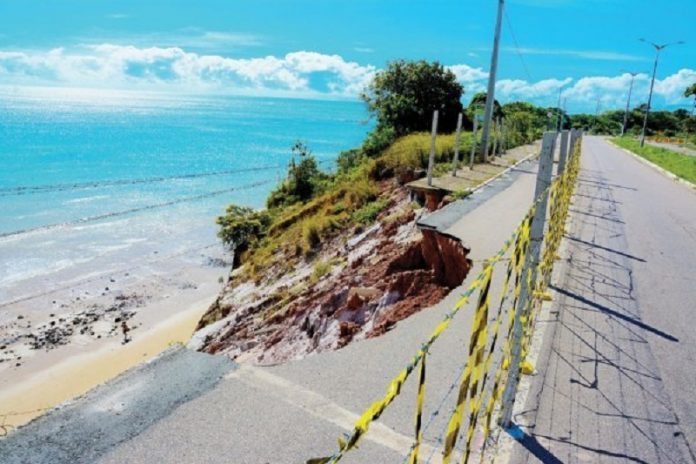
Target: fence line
[{"x": 474, "y": 399}]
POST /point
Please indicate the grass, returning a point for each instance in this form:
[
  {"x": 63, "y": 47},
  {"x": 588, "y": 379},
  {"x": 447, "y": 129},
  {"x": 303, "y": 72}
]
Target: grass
[
  {"x": 369, "y": 212},
  {"x": 683, "y": 166},
  {"x": 413, "y": 150}
]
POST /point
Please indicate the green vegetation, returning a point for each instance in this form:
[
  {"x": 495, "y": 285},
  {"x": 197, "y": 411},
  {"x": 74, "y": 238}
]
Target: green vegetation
[
  {"x": 309, "y": 207},
  {"x": 683, "y": 166},
  {"x": 304, "y": 179},
  {"x": 678, "y": 124},
  {"x": 404, "y": 96},
  {"x": 690, "y": 91},
  {"x": 369, "y": 212},
  {"x": 242, "y": 227}
]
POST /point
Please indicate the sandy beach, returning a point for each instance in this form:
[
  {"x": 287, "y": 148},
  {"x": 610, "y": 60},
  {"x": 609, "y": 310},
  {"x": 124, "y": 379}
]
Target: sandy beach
[{"x": 59, "y": 344}]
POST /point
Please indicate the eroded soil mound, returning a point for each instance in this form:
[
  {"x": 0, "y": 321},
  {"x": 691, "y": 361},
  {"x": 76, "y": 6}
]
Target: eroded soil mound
[{"x": 359, "y": 285}]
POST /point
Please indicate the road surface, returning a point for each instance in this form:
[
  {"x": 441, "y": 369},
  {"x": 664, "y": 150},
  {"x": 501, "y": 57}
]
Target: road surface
[{"x": 617, "y": 380}]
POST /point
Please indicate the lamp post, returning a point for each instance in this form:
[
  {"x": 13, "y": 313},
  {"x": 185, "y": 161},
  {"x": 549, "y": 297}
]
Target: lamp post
[
  {"x": 628, "y": 102},
  {"x": 490, "y": 94},
  {"x": 658, "y": 49}
]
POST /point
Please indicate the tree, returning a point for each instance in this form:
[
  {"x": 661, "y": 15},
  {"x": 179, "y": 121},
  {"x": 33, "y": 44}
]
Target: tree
[
  {"x": 241, "y": 227},
  {"x": 304, "y": 179},
  {"x": 404, "y": 96},
  {"x": 478, "y": 103},
  {"x": 690, "y": 90}
]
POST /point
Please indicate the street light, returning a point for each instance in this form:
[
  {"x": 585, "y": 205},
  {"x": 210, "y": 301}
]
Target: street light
[
  {"x": 628, "y": 102},
  {"x": 658, "y": 49}
]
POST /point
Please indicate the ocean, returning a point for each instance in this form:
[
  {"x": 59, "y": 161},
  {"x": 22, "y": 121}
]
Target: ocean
[{"x": 95, "y": 183}]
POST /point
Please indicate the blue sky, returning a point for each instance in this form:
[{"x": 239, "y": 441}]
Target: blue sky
[{"x": 331, "y": 48}]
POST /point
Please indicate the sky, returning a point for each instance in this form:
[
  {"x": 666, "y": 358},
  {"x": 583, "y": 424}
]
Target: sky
[{"x": 332, "y": 48}]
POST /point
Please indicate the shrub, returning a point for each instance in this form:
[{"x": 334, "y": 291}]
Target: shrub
[
  {"x": 311, "y": 234},
  {"x": 321, "y": 268},
  {"x": 348, "y": 160},
  {"x": 378, "y": 140},
  {"x": 242, "y": 226},
  {"x": 304, "y": 179},
  {"x": 369, "y": 212}
]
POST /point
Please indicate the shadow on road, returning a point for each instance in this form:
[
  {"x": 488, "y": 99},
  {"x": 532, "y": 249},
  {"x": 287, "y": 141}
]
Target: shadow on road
[{"x": 601, "y": 395}]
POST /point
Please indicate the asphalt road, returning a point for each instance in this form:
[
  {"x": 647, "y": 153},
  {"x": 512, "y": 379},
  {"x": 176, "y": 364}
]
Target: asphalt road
[
  {"x": 83, "y": 430},
  {"x": 617, "y": 378}
]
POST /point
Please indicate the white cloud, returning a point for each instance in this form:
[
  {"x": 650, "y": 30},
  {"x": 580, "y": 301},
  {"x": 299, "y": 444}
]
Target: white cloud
[
  {"x": 587, "y": 54},
  {"x": 301, "y": 73},
  {"x": 516, "y": 89},
  {"x": 466, "y": 73},
  {"x": 118, "y": 66},
  {"x": 672, "y": 87},
  {"x": 612, "y": 91}
]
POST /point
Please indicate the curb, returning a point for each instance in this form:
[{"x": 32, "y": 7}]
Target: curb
[
  {"x": 654, "y": 166},
  {"x": 503, "y": 451},
  {"x": 508, "y": 169},
  {"x": 421, "y": 223}
]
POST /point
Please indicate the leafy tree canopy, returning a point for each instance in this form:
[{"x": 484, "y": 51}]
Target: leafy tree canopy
[
  {"x": 405, "y": 94},
  {"x": 478, "y": 104},
  {"x": 241, "y": 227},
  {"x": 690, "y": 90}
]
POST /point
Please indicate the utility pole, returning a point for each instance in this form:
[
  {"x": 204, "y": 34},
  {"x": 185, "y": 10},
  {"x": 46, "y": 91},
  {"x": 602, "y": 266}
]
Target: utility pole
[
  {"x": 490, "y": 94},
  {"x": 628, "y": 102},
  {"x": 596, "y": 115},
  {"x": 658, "y": 49}
]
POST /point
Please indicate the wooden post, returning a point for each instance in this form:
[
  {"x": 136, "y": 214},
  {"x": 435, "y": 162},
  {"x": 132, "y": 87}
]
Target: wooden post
[
  {"x": 431, "y": 160},
  {"x": 455, "y": 162}
]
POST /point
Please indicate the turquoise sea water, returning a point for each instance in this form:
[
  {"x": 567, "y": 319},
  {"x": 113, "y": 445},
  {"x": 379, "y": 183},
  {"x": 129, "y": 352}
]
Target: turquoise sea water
[{"x": 92, "y": 179}]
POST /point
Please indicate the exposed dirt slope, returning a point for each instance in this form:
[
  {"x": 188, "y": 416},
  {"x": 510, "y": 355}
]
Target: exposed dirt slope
[{"x": 359, "y": 285}]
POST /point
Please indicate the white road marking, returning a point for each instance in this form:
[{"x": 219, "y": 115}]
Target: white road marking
[{"x": 325, "y": 409}]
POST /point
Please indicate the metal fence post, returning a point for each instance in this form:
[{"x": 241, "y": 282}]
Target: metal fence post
[
  {"x": 431, "y": 160},
  {"x": 564, "y": 152},
  {"x": 541, "y": 195},
  {"x": 473, "y": 144},
  {"x": 455, "y": 162}
]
